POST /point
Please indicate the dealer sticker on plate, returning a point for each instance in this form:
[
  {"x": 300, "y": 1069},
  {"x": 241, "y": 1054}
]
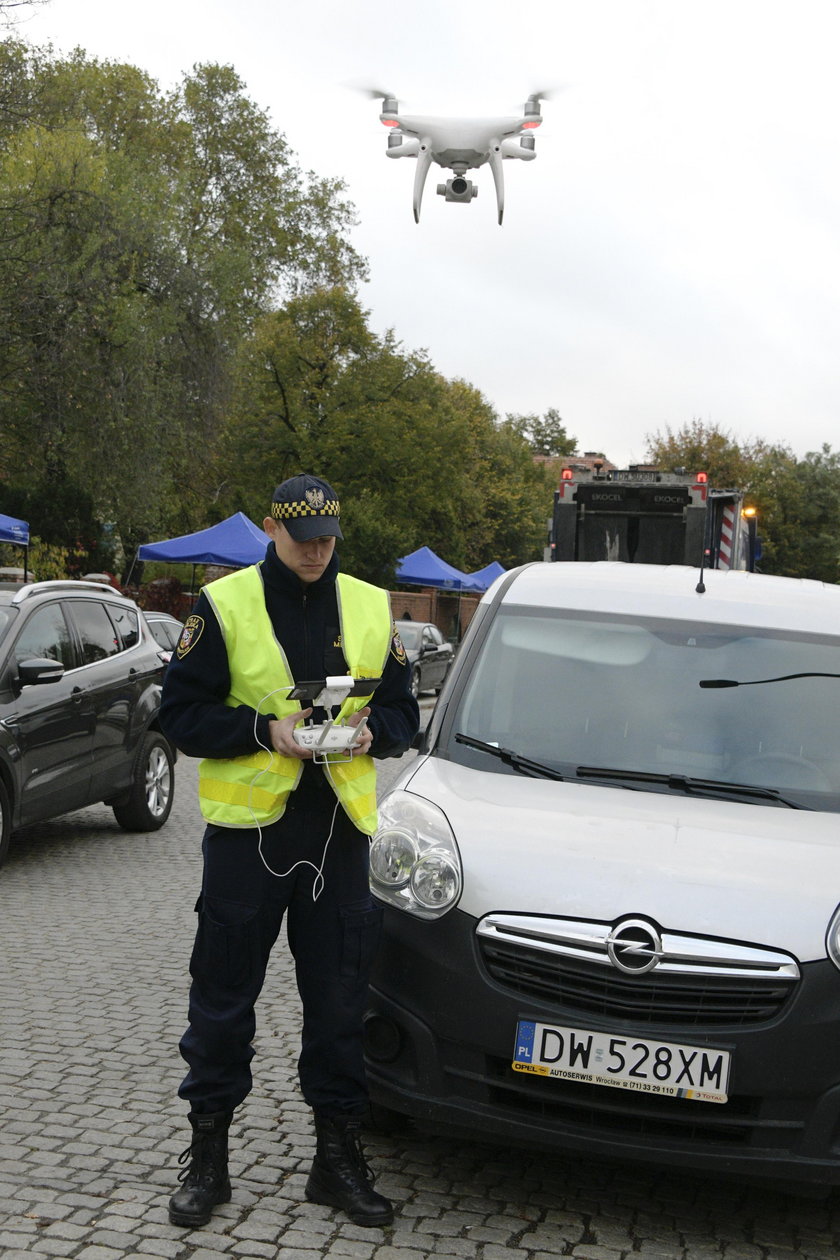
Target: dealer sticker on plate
[{"x": 597, "y": 1058}]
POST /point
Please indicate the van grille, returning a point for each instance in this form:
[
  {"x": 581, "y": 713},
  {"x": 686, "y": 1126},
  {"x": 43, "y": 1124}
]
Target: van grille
[{"x": 567, "y": 964}]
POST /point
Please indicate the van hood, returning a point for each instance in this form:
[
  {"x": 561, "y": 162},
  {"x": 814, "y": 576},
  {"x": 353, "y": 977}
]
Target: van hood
[{"x": 762, "y": 874}]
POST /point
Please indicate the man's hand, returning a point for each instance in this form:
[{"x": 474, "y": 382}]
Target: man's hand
[
  {"x": 283, "y": 741},
  {"x": 282, "y": 737},
  {"x": 366, "y": 738}
]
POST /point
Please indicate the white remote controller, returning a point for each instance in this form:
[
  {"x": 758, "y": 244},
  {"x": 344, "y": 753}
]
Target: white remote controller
[{"x": 328, "y": 737}]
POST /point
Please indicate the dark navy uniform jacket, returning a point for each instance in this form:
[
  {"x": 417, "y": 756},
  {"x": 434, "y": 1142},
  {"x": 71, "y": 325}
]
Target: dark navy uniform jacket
[{"x": 305, "y": 620}]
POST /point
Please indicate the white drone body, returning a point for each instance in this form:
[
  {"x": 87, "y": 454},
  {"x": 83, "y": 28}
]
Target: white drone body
[{"x": 460, "y": 145}]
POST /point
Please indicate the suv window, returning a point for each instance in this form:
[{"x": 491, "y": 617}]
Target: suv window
[
  {"x": 96, "y": 630},
  {"x": 46, "y": 634},
  {"x": 127, "y": 622}
]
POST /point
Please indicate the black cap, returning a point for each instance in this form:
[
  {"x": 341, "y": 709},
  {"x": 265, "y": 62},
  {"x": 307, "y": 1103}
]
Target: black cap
[{"x": 308, "y": 507}]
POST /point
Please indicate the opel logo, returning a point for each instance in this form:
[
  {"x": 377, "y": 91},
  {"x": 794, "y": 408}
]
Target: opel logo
[{"x": 634, "y": 947}]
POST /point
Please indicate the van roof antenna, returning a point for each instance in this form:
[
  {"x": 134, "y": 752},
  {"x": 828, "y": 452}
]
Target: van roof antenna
[{"x": 700, "y": 588}]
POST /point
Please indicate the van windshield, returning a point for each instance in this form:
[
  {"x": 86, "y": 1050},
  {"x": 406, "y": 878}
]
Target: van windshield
[{"x": 572, "y": 691}]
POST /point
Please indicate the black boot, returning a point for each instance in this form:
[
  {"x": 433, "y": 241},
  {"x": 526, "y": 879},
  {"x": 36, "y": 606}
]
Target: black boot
[
  {"x": 340, "y": 1176},
  {"x": 205, "y": 1178}
]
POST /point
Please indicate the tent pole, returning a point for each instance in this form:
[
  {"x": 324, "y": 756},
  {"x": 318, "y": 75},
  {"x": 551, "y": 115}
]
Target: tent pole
[{"x": 127, "y": 581}]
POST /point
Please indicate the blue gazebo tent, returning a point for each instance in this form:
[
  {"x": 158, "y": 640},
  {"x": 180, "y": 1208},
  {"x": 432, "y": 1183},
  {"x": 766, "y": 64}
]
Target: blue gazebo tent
[
  {"x": 233, "y": 543},
  {"x": 14, "y": 531},
  {"x": 17, "y": 532},
  {"x": 423, "y": 568},
  {"x": 487, "y": 576}
]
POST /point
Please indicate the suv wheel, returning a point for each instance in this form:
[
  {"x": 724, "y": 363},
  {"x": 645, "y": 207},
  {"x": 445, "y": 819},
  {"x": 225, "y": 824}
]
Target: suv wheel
[
  {"x": 415, "y": 681},
  {"x": 5, "y": 822},
  {"x": 147, "y": 805}
]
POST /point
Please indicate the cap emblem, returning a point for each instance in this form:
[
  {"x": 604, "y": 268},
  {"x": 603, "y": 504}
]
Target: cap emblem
[{"x": 315, "y": 498}]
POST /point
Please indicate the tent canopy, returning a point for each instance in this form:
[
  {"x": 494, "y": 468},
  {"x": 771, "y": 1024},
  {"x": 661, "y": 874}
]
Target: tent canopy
[
  {"x": 234, "y": 543},
  {"x": 423, "y": 568},
  {"x": 486, "y": 577},
  {"x": 14, "y": 531}
]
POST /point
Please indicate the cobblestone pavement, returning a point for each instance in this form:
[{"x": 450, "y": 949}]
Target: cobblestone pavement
[{"x": 95, "y": 931}]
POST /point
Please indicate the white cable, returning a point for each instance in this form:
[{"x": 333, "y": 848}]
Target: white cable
[{"x": 318, "y": 883}]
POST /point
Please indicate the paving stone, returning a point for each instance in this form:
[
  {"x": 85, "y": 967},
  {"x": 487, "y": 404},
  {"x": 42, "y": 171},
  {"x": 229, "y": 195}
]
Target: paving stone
[
  {"x": 167, "y": 1248},
  {"x": 91, "y": 1127}
]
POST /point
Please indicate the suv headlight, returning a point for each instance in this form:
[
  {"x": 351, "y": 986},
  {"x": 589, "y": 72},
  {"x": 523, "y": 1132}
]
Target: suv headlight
[
  {"x": 414, "y": 860},
  {"x": 832, "y": 938}
]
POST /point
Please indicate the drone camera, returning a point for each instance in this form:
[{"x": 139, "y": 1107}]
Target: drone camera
[{"x": 458, "y": 189}]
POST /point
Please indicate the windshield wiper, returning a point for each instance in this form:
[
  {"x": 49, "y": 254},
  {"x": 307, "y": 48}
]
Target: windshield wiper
[
  {"x": 537, "y": 769},
  {"x": 685, "y": 783},
  {"x": 758, "y": 682}
]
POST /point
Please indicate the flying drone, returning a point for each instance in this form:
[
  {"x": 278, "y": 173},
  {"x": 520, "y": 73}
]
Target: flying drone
[{"x": 460, "y": 145}]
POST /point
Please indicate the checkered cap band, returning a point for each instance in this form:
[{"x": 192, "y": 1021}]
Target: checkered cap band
[{"x": 287, "y": 511}]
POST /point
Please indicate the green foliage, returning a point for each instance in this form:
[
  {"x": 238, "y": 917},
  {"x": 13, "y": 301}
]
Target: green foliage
[
  {"x": 797, "y": 501},
  {"x": 64, "y": 514},
  {"x": 700, "y": 447},
  {"x": 45, "y": 560},
  {"x": 417, "y": 460},
  {"x": 142, "y": 233},
  {"x": 546, "y": 435}
]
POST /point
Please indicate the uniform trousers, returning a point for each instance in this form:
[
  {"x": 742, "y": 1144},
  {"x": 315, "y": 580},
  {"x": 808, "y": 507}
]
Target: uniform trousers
[{"x": 332, "y": 937}]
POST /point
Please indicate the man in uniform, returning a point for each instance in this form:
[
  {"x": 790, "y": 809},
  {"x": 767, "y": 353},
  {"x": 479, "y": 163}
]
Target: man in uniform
[{"x": 286, "y": 834}]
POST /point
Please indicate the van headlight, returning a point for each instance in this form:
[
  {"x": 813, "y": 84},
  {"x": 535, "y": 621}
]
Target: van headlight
[
  {"x": 414, "y": 860},
  {"x": 832, "y": 939}
]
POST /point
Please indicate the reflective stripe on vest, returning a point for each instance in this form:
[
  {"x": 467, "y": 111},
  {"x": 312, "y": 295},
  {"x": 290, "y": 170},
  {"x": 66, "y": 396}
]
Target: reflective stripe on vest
[{"x": 253, "y": 790}]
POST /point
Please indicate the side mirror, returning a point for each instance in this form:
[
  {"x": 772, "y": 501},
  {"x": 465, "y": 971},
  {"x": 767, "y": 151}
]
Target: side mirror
[{"x": 39, "y": 670}]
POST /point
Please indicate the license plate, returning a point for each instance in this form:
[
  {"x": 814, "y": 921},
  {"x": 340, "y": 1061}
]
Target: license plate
[{"x": 637, "y": 1063}]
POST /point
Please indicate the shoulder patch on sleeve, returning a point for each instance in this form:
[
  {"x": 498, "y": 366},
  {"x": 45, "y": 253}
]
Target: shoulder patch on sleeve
[
  {"x": 190, "y": 635},
  {"x": 397, "y": 649}
]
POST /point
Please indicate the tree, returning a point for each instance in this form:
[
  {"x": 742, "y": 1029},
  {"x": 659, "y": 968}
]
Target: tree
[
  {"x": 546, "y": 435},
  {"x": 142, "y": 235},
  {"x": 416, "y": 459},
  {"x": 797, "y": 501},
  {"x": 798, "y": 504},
  {"x": 700, "y": 447},
  {"x": 317, "y": 390},
  {"x": 9, "y": 9}
]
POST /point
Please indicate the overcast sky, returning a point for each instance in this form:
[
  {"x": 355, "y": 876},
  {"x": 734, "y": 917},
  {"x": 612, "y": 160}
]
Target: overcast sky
[{"x": 671, "y": 254}]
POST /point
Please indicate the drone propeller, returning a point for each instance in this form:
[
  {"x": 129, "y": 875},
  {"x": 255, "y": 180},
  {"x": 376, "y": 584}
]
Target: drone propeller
[
  {"x": 377, "y": 94},
  {"x": 373, "y": 93}
]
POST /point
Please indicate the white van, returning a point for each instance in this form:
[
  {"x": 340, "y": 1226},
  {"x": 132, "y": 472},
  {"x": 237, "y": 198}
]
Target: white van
[{"x": 611, "y": 879}]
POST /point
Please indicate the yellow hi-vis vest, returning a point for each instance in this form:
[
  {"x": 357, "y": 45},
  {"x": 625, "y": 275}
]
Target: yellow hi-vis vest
[{"x": 252, "y": 790}]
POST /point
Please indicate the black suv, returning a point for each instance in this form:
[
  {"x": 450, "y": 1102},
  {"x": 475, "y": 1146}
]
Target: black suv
[{"x": 80, "y": 684}]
